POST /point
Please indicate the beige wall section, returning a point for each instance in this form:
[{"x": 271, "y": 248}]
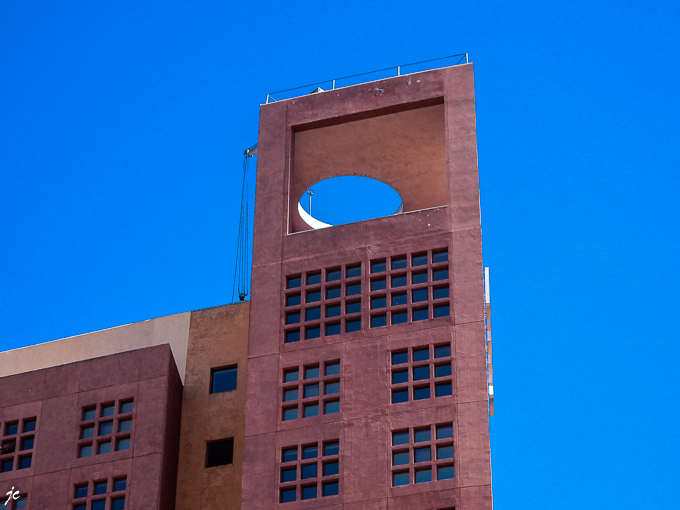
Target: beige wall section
[
  {"x": 173, "y": 330},
  {"x": 217, "y": 337}
]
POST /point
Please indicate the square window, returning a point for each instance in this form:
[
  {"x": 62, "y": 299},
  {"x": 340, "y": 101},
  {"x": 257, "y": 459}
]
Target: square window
[
  {"x": 223, "y": 379},
  {"x": 105, "y": 428},
  {"x": 378, "y": 266},
  {"x": 353, "y": 325},
  {"x": 289, "y": 454},
  {"x": 421, "y": 393},
  {"x": 440, "y": 292},
  {"x": 89, "y": 413},
  {"x": 378, "y": 284},
  {"x": 310, "y": 452},
  {"x": 441, "y": 311},
  {"x": 330, "y": 488},
  {"x": 442, "y": 370},
  {"x": 333, "y": 292},
  {"x": 422, "y": 435},
  {"x": 423, "y": 475},
  {"x": 288, "y": 495},
  {"x": 440, "y": 274},
  {"x": 313, "y": 278},
  {"x": 333, "y": 275},
  {"x": 419, "y": 259},
  {"x": 331, "y": 448},
  {"x": 308, "y": 471},
  {"x": 20, "y": 503},
  {"x": 82, "y": 506},
  {"x": 119, "y": 484},
  {"x": 420, "y": 373},
  {"x": 420, "y": 314},
  {"x": 291, "y": 375},
  {"x": 331, "y": 468},
  {"x": 400, "y": 458},
  {"x": 399, "y": 357},
  {"x": 422, "y": 454},
  {"x": 399, "y": 396},
  {"x": 399, "y": 262},
  {"x": 29, "y": 425},
  {"x": 332, "y": 407},
  {"x": 25, "y": 462},
  {"x": 420, "y": 277},
  {"x": 400, "y": 317},
  {"x": 85, "y": 450},
  {"x": 293, "y": 317},
  {"x": 444, "y": 431},
  {"x": 100, "y": 504},
  {"x": 332, "y": 388},
  {"x": 378, "y": 321},
  {"x": 123, "y": 444},
  {"x": 87, "y": 432},
  {"x": 399, "y": 299},
  {"x": 125, "y": 425},
  {"x": 444, "y": 472},
  {"x": 311, "y": 390},
  {"x": 313, "y": 314},
  {"x": 400, "y": 478},
  {"x": 353, "y": 307},
  {"x": 400, "y": 437},
  {"x": 80, "y": 491},
  {"x": 311, "y": 410},
  {"x": 312, "y": 372},
  {"x": 219, "y": 453},
  {"x": 290, "y": 413},
  {"x": 108, "y": 410},
  {"x": 290, "y": 394},
  {"x": 312, "y": 332},
  {"x": 6, "y": 465},
  {"x": 27, "y": 443},
  {"x": 419, "y": 295},
  {"x": 333, "y": 368},
  {"x": 104, "y": 447},
  {"x": 399, "y": 281},
  {"x": 444, "y": 451},
  {"x": 399, "y": 376},
  {"x": 421, "y": 354},
  {"x": 117, "y": 503},
  {"x": 293, "y": 282},
  {"x": 333, "y": 311},
  {"x": 293, "y": 300},
  {"x": 442, "y": 351},
  {"x": 313, "y": 296},
  {"x": 333, "y": 329},
  {"x": 354, "y": 271},
  {"x": 353, "y": 290},
  {"x": 378, "y": 302},
  {"x": 309, "y": 492},
  {"x": 100, "y": 487},
  {"x": 11, "y": 429},
  {"x": 442, "y": 389},
  {"x": 288, "y": 474},
  {"x": 292, "y": 335},
  {"x": 440, "y": 256},
  {"x": 126, "y": 407}
]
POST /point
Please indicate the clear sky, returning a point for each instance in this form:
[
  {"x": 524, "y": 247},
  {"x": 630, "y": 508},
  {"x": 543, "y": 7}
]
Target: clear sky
[{"x": 122, "y": 128}]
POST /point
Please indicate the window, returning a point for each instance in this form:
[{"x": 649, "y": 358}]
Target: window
[
  {"x": 17, "y": 444},
  {"x": 428, "y": 455},
  {"x": 420, "y": 375},
  {"x": 223, "y": 379},
  {"x": 316, "y": 393},
  {"x": 21, "y": 502},
  {"x": 110, "y": 429},
  {"x": 219, "y": 453},
  {"x": 309, "y": 471},
  {"x": 314, "y": 278},
  {"x": 101, "y": 490},
  {"x": 354, "y": 271}
]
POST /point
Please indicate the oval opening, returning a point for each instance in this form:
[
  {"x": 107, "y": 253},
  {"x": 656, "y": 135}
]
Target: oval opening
[{"x": 347, "y": 199}]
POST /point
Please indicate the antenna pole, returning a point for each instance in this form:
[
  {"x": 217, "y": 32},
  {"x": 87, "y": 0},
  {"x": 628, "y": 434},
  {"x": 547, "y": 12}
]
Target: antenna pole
[{"x": 310, "y": 192}]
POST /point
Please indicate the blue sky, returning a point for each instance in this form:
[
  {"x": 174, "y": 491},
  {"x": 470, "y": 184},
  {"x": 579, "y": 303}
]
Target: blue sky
[{"x": 122, "y": 128}]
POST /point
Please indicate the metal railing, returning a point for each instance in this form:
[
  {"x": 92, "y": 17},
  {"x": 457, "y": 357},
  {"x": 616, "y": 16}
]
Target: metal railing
[{"x": 461, "y": 57}]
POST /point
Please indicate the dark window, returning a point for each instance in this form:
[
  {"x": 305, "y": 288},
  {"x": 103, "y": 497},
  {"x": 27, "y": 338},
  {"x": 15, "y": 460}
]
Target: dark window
[
  {"x": 423, "y": 475},
  {"x": 440, "y": 256},
  {"x": 311, "y": 410},
  {"x": 331, "y": 468},
  {"x": 420, "y": 314},
  {"x": 442, "y": 389},
  {"x": 399, "y": 357},
  {"x": 444, "y": 451},
  {"x": 312, "y": 314},
  {"x": 290, "y": 413},
  {"x": 333, "y": 275},
  {"x": 378, "y": 302},
  {"x": 291, "y": 394},
  {"x": 223, "y": 379},
  {"x": 293, "y": 300},
  {"x": 313, "y": 279},
  {"x": 20, "y": 503},
  {"x": 421, "y": 393},
  {"x": 378, "y": 321},
  {"x": 422, "y": 435},
  {"x": 421, "y": 354},
  {"x": 104, "y": 447},
  {"x": 399, "y": 317},
  {"x": 333, "y": 311},
  {"x": 444, "y": 431},
  {"x": 100, "y": 487},
  {"x": 310, "y": 452},
  {"x": 378, "y": 266},
  {"x": 335, "y": 292},
  {"x": 6, "y": 465},
  {"x": 292, "y": 335},
  {"x": 309, "y": 492},
  {"x": 399, "y": 396},
  {"x": 399, "y": 281},
  {"x": 353, "y": 325},
  {"x": 444, "y": 472},
  {"x": 89, "y": 413},
  {"x": 379, "y": 284},
  {"x": 353, "y": 307},
  {"x": 100, "y": 504},
  {"x": 441, "y": 311},
  {"x": 293, "y": 317},
  {"x": 400, "y": 458},
  {"x": 419, "y": 295},
  {"x": 399, "y": 376},
  {"x": 420, "y": 373},
  {"x": 400, "y": 437},
  {"x": 105, "y": 428},
  {"x": 331, "y": 449},
  {"x": 311, "y": 390},
  {"x": 123, "y": 444},
  {"x": 29, "y": 425},
  {"x": 314, "y": 332},
  {"x": 332, "y": 407},
  {"x": 440, "y": 292},
  {"x": 288, "y": 474},
  {"x": 80, "y": 491},
  {"x": 422, "y": 454},
  {"x": 442, "y": 351},
  {"x": 311, "y": 372},
  {"x": 332, "y": 368},
  {"x": 333, "y": 329},
  {"x": 289, "y": 455},
  {"x": 314, "y": 296},
  {"x": 126, "y": 407},
  {"x": 419, "y": 277},
  {"x": 119, "y": 484},
  {"x": 332, "y": 388},
  {"x": 353, "y": 271},
  {"x": 11, "y": 429},
  {"x": 219, "y": 453},
  {"x": 330, "y": 488},
  {"x": 399, "y": 262},
  {"x": 80, "y": 507},
  {"x": 291, "y": 375},
  {"x": 442, "y": 370},
  {"x": 419, "y": 259},
  {"x": 25, "y": 462},
  {"x": 440, "y": 274},
  {"x": 354, "y": 289},
  {"x": 118, "y": 503},
  {"x": 85, "y": 450},
  {"x": 308, "y": 471},
  {"x": 400, "y": 478},
  {"x": 399, "y": 299},
  {"x": 288, "y": 495},
  {"x": 87, "y": 432},
  {"x": 294, "y": 282}
]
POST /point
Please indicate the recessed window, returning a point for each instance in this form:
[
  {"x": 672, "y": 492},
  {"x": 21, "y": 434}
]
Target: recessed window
[
  {"x": 444, "y": 451},
  {"x": 440, "y": 274},
  {"x": 378, "y": 321},
  {"x": 335, "y": 292},
  {"x": 331, "y": 448},
  {"x": 354, "y": 289},
  {"x": 309, "y": 492},
  {"x": 85, "y": 450},
  {"x": 399, "y": 317},
  {"x": 399, "y": 376},
  {"x": 6, "y": 465},
  {"x": 87, "y": 432},
  {"x": 104, "y": 447},
  {"x": 311, "y": 390},
  {"x": 293, "y": 300},
  {"x": 440, "y": 292},
  {"x": 292, "y": 335},
  {"x": 123, "y": 444},
  {"x": 400, "y": 458},
  {"x": 399, "y": 262},
  {"x": 331, "y": 468},
  {"x": 290, "y": 413},
  {"x": 399, "y": 396},
  {"x": 293, "y": 317},
  {"x": 312, "y": 332},
  {"x": 288, "y": 474},
  {"x": 378, "y": 284},
  {"x": 353, "y": 325},
  {"x": 126, "y": 407},
  {"x": 314, "y": 278},
  {"x": 100, "y": 487},
  {"x": 312, "y": 372},
  {"x": 440, "y": 256},
  {"x": 442, "y": 389},
  {"x": 378, "y": 302},
  {"x": 445, "y": 472},
  {"x": 223, "y": 379},
  {"x": 421, "y": 392},
  {"x": 118, "y": 503},
  {"x": 308, "y": 471},
  {"x": 25, "y": 462},
  {"x": 291, "y": 394},
  {"x": 332, "y": 388},
  {"x": 422, "y": 354},
  {"x": 100, "y": 504},
  {"x": 80, "y": 491},
  {"x": 333, "y": 311},
  {"x": 293, "y": 282},
  {"x": 400, "y": 478},
  {"x": 288, "y": 495},
  {"x": 419, "y": 259},
  {"x": 420, "y": 314},
  {"x": 11, "y": 429},
  {"x": 20, "y": 503},
  {"x": 330, "y": 488},
  {"x": 419, "y": 295},
  {"x": 420, "y": 373},
  {"x": 399, "y": 357},
  {"x": 333, "y": 275},
  {"x": 313, "y": 314},
  {"x": 399, "y": 280},
  {"x": 119, "y": 484},
  {"x": 399, "y": 299},
  {"x": 420, "y": 277},
  {"x": 353, "y": 271},
  {"x": 105, "y": 428},
  {"x": 291, "y": 375},
  {"x": 29, "y": 425},
  {"x": 333, "y": 368},
  {"x": 422, "y": 435},
  {"x": 378, "y": 266},
  {"x": 442, "y": 370},
  {"x": 310, "y": 452},
  {"x": 442, "y": 351},
  {"x": 444, "y": 431},
  {"x": 219, "y": 453},
  {"x": 314, "y": 296},
  {"x": 311, "y": 410},
  {"x": 422, "y": 454},
  {"x": 400, "y": 437},
  {"x": 333, "y": 329},
  {"x": 423, "y": 475},
  {"x": 89, "y": 413},
  {"x": 289, "y": 455},
  {"x": 441, "y": 311},
  {"x": 353, "y": 307},
  {"x": 332, "y": 406}
]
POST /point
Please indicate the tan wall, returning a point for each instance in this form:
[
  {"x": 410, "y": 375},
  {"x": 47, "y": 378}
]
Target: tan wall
[
  {"x": 173, "y": 330},
  {"x": 217, "y": 337}
]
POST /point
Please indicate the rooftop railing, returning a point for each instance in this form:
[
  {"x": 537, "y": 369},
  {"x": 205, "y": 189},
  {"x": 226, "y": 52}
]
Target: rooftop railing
[{"x": 388, "y": 72}]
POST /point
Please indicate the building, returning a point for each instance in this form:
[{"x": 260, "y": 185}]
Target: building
[{"x": 354, "y": 378}]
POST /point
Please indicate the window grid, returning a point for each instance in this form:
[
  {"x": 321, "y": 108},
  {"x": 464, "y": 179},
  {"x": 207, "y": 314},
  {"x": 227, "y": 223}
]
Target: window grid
[
  {"x": 316, "y": 385},
  {"x": 409, "y": 288},
  {"x": 413, "y": 465},
  {"x": 87, "y": 494},
  {"x": 415, "y": 377},
  {"x": 324, "y": 303},
  {"x": 105, "y": 428},
  {"x": 325, "y": 467},
  {"x": 17, "y": 444}
]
